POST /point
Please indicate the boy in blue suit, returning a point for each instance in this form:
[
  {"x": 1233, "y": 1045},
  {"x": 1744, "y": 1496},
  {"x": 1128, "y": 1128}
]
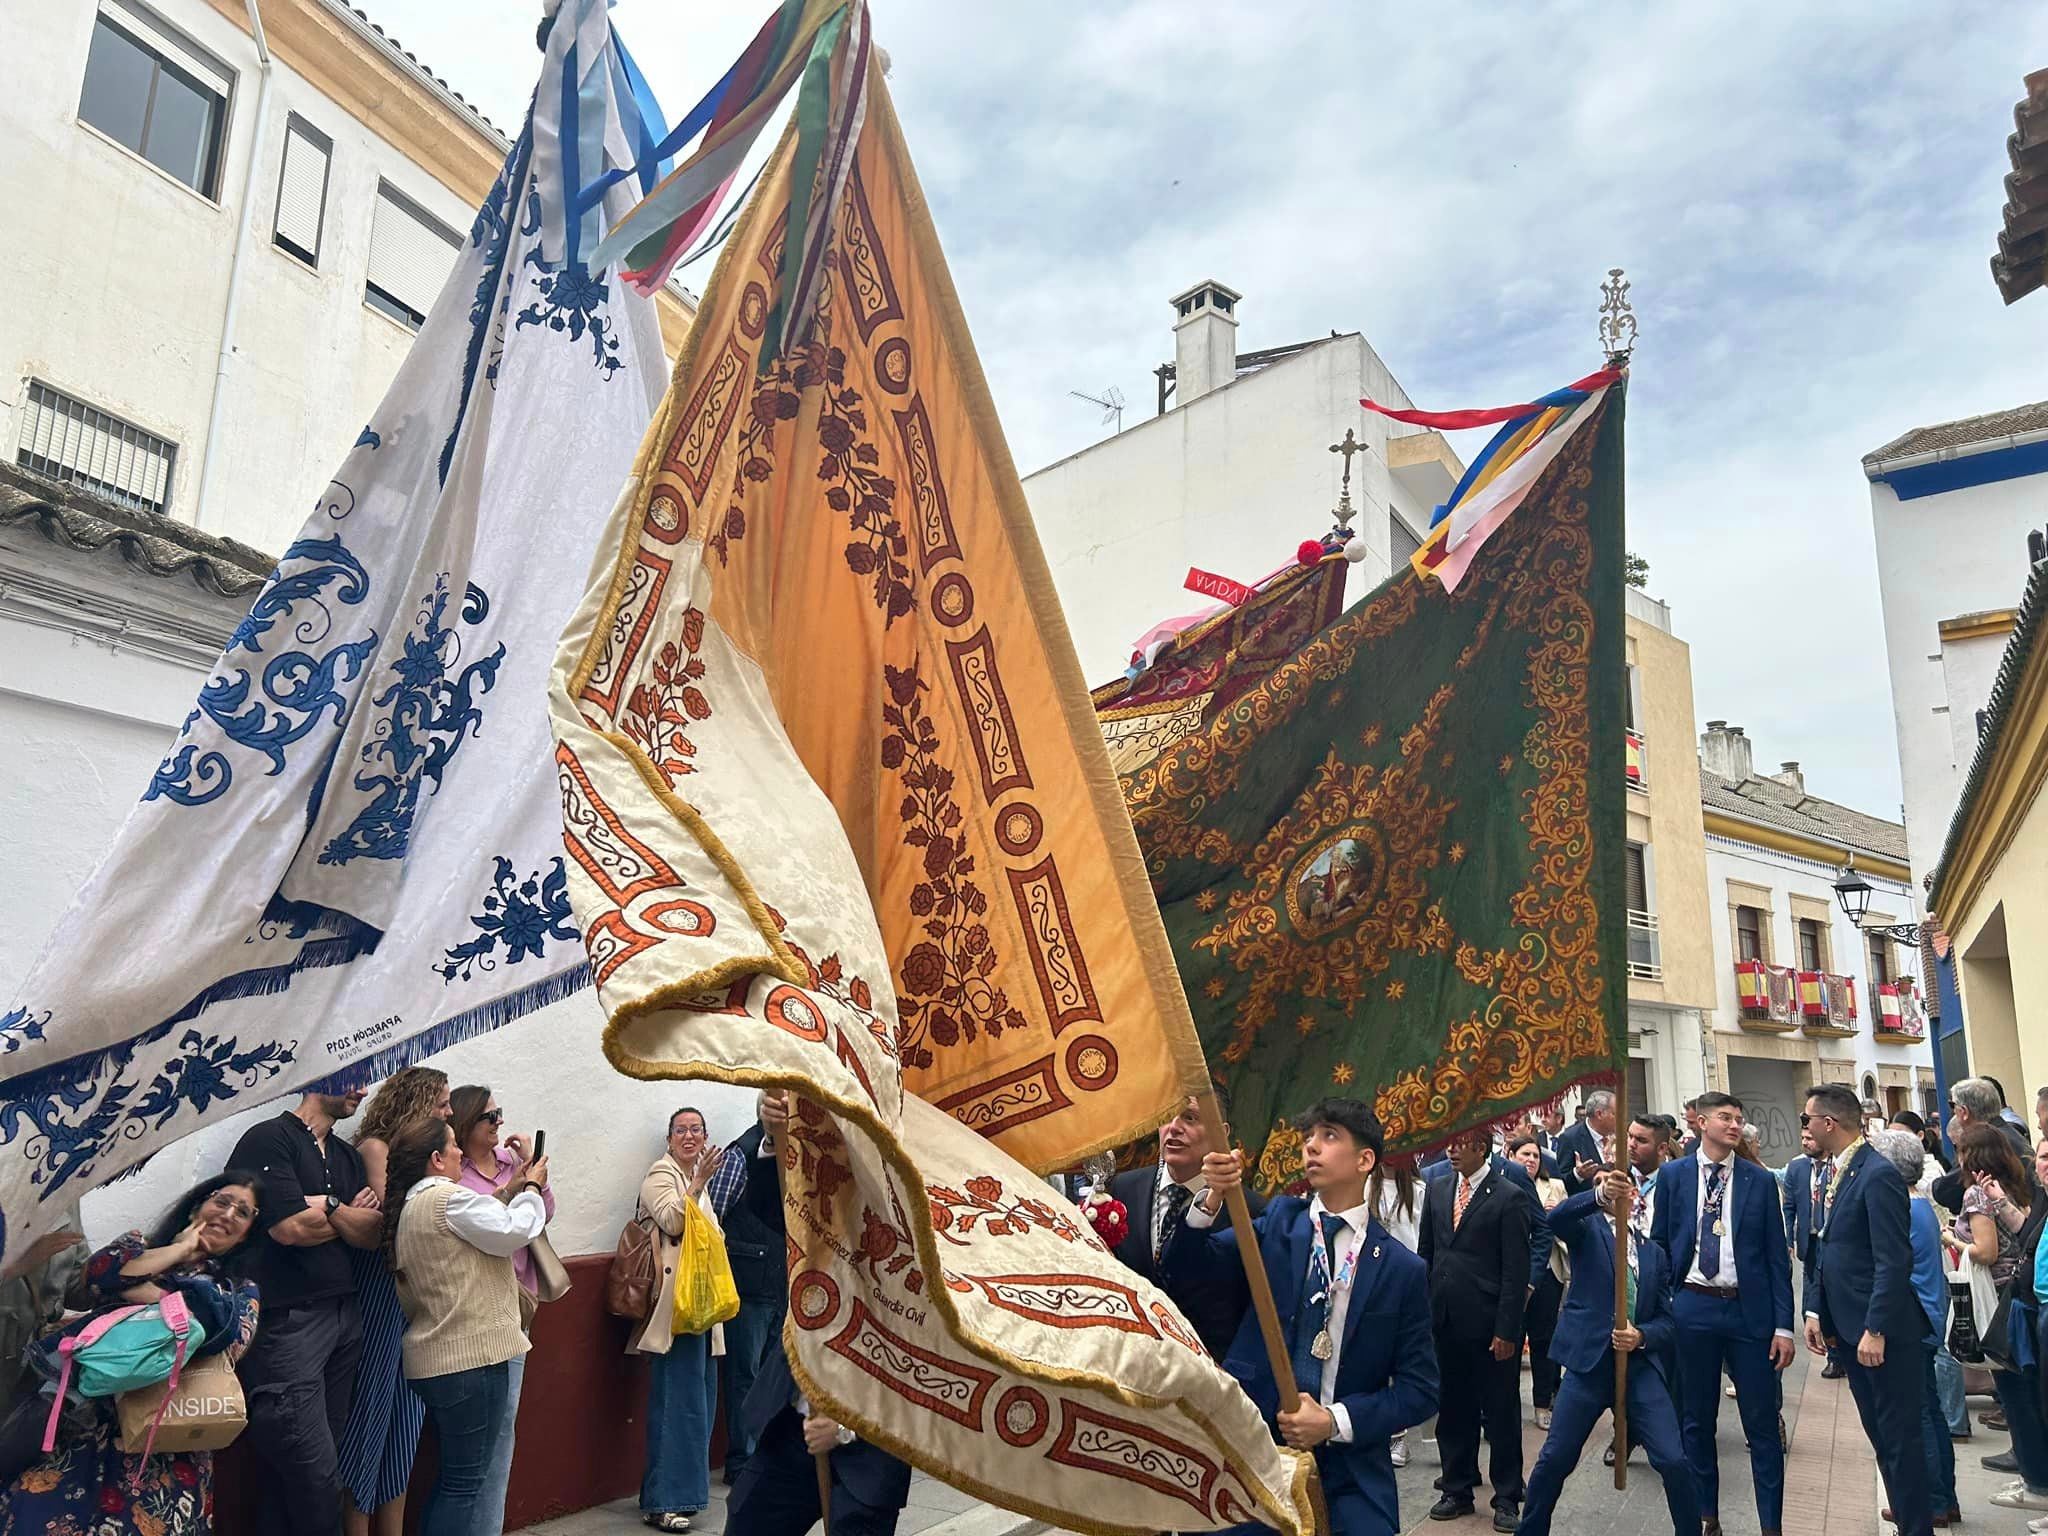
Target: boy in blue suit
[
  {"x": 1353, "y": 1303},
  {"x": 1718, "y": 1220},
  {"x": 1584, "y": 1344}
]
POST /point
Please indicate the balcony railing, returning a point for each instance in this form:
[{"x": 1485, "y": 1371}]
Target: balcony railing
[
  {"x": 1769, "y": 995},
  {"x": 1827, "y": 1003},
  {"x": 1638, "y": 762},
  {"x": 1645, "y": 955},
  {"x": 1901, "y": 1016}
]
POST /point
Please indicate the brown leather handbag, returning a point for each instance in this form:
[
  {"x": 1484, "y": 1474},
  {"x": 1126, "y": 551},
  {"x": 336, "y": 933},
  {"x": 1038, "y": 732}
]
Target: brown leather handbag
[{"x": 633, "y": 1286}]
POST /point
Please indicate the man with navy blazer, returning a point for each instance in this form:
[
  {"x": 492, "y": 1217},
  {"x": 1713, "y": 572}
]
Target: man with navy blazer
[
  {"x": 1157, "y": 1199},
  {"x": 1353, "y": 1304},
  {"x": 1477, "y": 1221},
  {"x": 1584, "y": 1345},
  {"x": 1590, "y": 1140},
  {"x": 1861, "y": 1307},
  {"x": 777, "y": 1491},
  {"x": 1717, "y": 1218}
]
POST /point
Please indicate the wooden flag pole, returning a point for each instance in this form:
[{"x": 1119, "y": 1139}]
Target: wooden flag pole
[
  {"x": 1263, "y": 1305},
  {"x": 1621, "y": 1319},
  {"x": 1288, "y": 1391}
]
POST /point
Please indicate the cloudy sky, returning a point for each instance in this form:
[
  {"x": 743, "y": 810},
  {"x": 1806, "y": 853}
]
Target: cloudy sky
[{"x": 1804, "y": 196}]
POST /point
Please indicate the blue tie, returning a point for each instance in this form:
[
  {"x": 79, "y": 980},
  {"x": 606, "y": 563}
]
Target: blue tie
[
  {"x": 1313, "y": 1315},
  {"x": 1710, "y": 1224}
]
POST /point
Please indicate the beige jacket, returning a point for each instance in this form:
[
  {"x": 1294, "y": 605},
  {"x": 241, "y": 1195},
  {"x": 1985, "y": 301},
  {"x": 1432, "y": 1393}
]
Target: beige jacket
[{"x": 662, "y": 1194}]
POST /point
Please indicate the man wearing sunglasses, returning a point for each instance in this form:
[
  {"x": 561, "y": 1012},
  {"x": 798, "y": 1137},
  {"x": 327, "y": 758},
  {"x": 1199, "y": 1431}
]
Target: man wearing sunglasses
[{"x": 1860, "y": 1303}]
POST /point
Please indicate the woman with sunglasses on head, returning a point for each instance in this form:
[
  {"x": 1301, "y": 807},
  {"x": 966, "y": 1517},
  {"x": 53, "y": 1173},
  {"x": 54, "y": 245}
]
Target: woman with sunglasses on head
[
  {"x": 384, "y": 1413},
  {"x": 88, "y": 1483},
  {"x": 451, "y": 1252},
  {"x": 490, "y": 1168}
]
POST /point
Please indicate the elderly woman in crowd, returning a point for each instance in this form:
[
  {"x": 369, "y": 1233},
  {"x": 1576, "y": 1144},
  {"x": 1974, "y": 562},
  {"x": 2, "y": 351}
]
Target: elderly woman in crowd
[
  {"x": 88, "y": 1483},
  {"x": 490, "y": 1169},
  {"x": 384, "y": 1413},
  {"x": 682, "y": 1392},
  {"x": 451, "y": 1250},
  {"x": 1902, "y": 1149}
]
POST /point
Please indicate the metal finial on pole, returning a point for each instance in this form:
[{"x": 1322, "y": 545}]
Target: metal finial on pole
[
  {"x": 1617, "y": 319},
  {"x": 1349, "y": 446}
]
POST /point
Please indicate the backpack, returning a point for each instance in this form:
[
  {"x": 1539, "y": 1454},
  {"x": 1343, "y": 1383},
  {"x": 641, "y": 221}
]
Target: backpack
[{"x": 125, "y": 1349}]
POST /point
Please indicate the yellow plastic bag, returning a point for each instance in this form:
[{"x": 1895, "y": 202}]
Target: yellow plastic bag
[{"x": 705, "y": 1293}]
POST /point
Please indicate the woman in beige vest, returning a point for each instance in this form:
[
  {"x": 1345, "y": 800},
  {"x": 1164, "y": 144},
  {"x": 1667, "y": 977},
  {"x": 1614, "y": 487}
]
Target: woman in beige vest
[
  {"x": 682, "y": 1390},
  {"x": 450, "y": 1250}
]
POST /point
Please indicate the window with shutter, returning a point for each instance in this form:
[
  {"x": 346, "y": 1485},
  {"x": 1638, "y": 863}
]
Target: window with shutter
[
  {"x": 1812, "y": 951},
  {"x": 1638, "y": 879},
  {"x": 1749, "y": 934},
  {"x": 302, "y": 190},
  {"x": 1880, "y": 963},
  {"x": 410, "y": 255},
  {"x": 155, "y": 92},
  {"x": 1400, "y": 542}
]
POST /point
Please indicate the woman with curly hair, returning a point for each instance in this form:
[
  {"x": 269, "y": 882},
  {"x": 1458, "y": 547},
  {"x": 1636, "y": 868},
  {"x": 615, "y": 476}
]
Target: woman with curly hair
[
  {"x": 384, "y": 1413},
  {"x": 88, "y": 1483}
]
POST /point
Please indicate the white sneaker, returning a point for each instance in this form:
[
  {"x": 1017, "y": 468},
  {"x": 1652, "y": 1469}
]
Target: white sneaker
[
  {"x": 1397, "y": 1449},
  {"x": 2038, "y": 1525},
  {"x": 2021, "y": 1496},
  {"x": 1543, "y": 1418},
  {"x": 1729, "y": 1390}
]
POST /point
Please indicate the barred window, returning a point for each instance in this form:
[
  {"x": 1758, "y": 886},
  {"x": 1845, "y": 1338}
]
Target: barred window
[{"x": 68, "y": 440}]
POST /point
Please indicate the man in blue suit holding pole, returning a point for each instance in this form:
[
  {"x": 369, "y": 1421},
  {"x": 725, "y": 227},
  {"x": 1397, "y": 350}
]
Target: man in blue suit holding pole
[
  {"x": 1585, "y": 1344},
  {"x": 1353, "y": 1303},
  {"x": 1719, "y": 1222}
]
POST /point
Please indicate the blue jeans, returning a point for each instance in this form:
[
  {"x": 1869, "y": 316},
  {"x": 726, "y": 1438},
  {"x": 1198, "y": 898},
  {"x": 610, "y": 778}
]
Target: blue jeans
[
  {"x": 2019, "y": 1395},
  {"x": 1941, "y": 1451},
  {"x": 490, "y": 1504},
  {"x": 748, "y": 1338},
  {"x": 1948, "y": 1380},
  {"x": 682, "y": 1399},
  {"x": 466, "y": 1407}
]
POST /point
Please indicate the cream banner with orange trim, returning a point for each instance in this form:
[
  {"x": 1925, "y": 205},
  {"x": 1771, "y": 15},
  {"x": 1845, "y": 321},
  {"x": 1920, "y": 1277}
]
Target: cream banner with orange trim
[{"x": 839, "y": 818}]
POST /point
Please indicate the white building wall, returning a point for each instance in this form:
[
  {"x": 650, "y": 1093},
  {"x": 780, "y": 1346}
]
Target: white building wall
[
  {"x": 1940, "y": 557},
  {"x": 120, "y": 275},
  {"x": 1231, "y": 483}
]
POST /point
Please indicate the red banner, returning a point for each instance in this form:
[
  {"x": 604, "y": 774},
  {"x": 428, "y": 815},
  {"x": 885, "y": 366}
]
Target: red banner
[{"x": 1222, "y": 588}]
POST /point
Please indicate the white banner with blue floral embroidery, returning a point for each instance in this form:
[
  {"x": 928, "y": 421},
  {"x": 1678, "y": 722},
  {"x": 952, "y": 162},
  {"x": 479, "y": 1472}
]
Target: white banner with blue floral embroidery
[{"x": 351, "y": 855}]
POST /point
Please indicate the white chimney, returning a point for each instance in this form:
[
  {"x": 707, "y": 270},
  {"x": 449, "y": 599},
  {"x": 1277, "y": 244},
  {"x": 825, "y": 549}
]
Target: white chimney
[
  {"x": 1725, "y": 752},
  {"x": 1788, "y": 774},
  {"x": 1204, "y": 340}
]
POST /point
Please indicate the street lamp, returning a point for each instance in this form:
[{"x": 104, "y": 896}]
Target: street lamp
[{"x": 1853, "y": 892}]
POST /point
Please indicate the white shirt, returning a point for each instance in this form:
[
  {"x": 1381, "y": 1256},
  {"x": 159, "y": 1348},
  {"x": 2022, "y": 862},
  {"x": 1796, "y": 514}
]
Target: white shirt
[
  {"x": 1355, "y": 1222},
  {"x": 1194, "y": 1186},
  {"x": 498, "y": 1227},
  {"x": 1403, "y": 1229},
  {"x": 1476, "y": 1180}
]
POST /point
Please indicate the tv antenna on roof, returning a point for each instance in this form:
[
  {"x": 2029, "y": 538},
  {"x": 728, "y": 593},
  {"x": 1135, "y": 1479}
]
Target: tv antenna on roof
[{"x": 1111, "y": 400}]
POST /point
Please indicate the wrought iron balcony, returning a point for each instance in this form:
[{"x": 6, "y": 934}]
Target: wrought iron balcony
[{"x": 1645, "y": 954}]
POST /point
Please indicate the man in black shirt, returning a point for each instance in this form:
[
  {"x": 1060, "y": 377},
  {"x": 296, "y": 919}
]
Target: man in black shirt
[{"x": 298, "y": 1374}]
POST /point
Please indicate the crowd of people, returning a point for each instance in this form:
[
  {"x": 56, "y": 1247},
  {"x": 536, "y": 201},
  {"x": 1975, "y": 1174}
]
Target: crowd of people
[{"x": 361, "y": 1286}]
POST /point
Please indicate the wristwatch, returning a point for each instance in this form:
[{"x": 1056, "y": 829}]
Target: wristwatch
[{"x": 333, "y": 1205}]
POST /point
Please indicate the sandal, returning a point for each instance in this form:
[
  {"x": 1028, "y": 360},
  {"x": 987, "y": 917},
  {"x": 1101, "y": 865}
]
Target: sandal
[{"x": 666, "y": 1522}]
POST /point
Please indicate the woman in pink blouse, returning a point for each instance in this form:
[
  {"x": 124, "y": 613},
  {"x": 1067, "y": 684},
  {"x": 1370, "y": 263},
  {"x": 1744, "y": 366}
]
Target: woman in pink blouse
[{"x": 490, "y": 1169}]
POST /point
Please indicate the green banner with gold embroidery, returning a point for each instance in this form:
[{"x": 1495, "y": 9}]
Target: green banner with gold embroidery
[{"x": 1394, "y": 869}]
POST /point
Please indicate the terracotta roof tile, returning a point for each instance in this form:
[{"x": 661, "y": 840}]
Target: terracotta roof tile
[
  {"x": 159, "y": 545},
  {"x": 1781, "y": 806},
  {"x": 1962, "y": 434}
]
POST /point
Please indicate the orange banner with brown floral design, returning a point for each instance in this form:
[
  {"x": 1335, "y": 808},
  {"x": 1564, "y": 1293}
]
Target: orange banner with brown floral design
[{"x": 839, "y": 819}]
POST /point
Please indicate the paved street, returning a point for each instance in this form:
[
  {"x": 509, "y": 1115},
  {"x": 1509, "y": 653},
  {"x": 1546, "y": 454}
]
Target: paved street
[{"x": 1830, "y": 1484}]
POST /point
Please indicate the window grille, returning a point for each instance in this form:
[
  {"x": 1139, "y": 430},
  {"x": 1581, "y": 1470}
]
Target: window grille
[{"x": 68, "y": 440}]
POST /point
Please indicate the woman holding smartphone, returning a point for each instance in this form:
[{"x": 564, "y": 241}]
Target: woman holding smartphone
[{"x": 493, "y": 1163}]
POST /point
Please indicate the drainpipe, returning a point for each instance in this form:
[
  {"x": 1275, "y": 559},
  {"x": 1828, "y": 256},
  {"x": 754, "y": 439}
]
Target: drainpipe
[{"x": 202, "y": 515}]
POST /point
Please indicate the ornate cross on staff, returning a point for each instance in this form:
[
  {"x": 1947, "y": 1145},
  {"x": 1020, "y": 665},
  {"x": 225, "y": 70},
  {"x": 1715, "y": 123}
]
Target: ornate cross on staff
[{"x": 1348, "y": 447}]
